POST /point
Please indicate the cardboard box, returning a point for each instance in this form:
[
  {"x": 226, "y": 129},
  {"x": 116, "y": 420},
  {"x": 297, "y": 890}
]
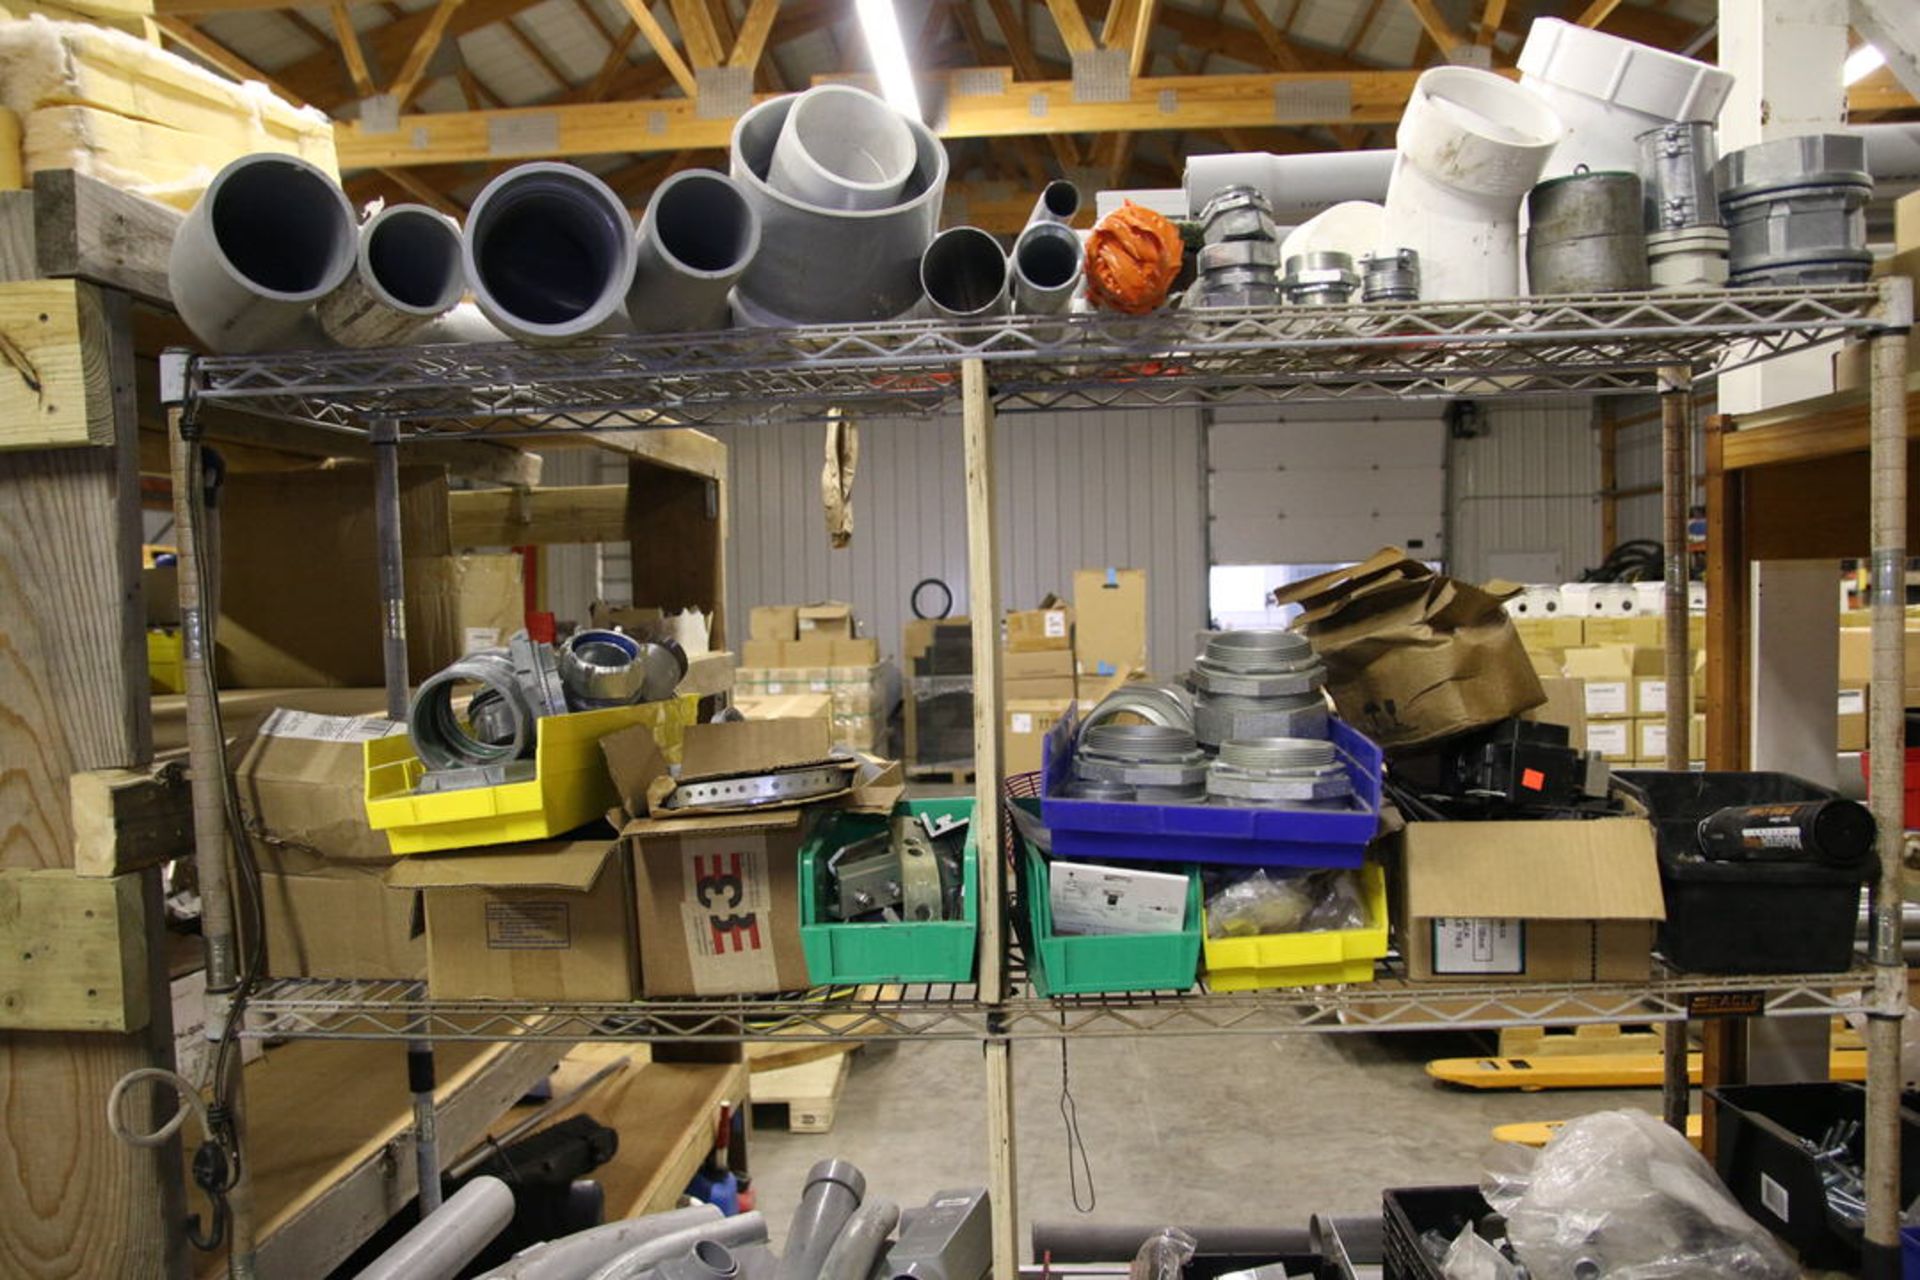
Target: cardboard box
[
  {"x": 160, "y": 584},
  {"x": 1044, "y": 664},
  {"x": 549, "y": 920},
  {"x": 1049, "y": 627},
  {"x": 1856, "y": 659},
  {"x": 1044, "y": 689},
  {"x": 1643, "y": 630},
  {"x": 1028, "y": 722},
  {"x": 302, "y": 784},
  {"x": 787, "y": 706},
  {"x": 462, "y": 603},
  {"x": 1613, "y": 739},
  {"x": 1110, "y": 617},
  {"x": 1609, "y": 672},
  {"x": 708, "y": 674},
  {"x": 1650, "y": 739},
  {"x": 774, "y": 622},
  {"x": 864, "y": 652},
  {"x": 1551, "y": 633},
  {"x": 764, "y": 654},
  {"x": 830, "y": 619},
  {"x": 1527, "y": 901},
  {"x": 1412, "y": 656},
  {"x": 192, "y": 1051},
  {"x": 1852, "y": 717},
  {"x": 327, "y": 919},
  {"x": 1650, "y": 695},
  {"x": 1565, "y": 705},
  {"x": 817, "y": 651}
]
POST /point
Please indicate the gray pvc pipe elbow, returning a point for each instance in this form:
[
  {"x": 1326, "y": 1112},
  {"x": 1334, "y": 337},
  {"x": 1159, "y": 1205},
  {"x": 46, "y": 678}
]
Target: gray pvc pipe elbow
[
  {"x": 406, "y": 275},
  {"x": 746, "y": 1229},
  {"x": 270, "y": 237},
  {"x": 697, "y": 237},
  {"x": 549, "y": 253},
  {"x": 450, "y": 1237},
  {"x": 571, "y": 1257},
  {"x": 834, "y": 1190},
  {"x": 857, "y": 1250}
]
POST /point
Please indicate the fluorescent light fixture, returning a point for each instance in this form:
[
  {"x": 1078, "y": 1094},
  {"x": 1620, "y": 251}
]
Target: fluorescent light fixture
[
  {"x": 881, "y": 26},
  {"x": 1861, "y": 63}
]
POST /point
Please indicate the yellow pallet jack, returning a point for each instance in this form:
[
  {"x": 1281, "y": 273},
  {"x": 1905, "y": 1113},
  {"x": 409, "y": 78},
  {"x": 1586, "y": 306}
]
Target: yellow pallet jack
[
  {"x": 1539, "y": 1132},
  {"x": 1597, "y": 1070}
]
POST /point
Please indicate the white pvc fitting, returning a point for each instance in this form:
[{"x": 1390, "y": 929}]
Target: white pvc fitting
[
  {"x": 696, "y": 238},
  {"x": 1297, "y": 186},
  {"x": 270, "y": 237},
  {"x": 406, "y": 273},
  {"x": 1046, "y": 268},
  {"x": 964, "y": 272},
  {"x": 549, "y": 253},
  {"x": 1352, "y": 227},
  {"x": 1471, "y": 144},
  {"x": 1608, "y": 91},
  {"x": 843, "y": 148}
]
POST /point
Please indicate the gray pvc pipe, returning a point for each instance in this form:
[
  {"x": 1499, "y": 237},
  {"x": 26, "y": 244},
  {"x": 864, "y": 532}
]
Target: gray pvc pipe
[
  {"x": 964, "y": 274},
  {"x": 1059, "y": 201},
  {"x": 843, "y": 148},
  {"x": 549, "y": 253},
  {"x": 834, "y": 1190},
  {"x": 270, "y": 237},
  {"x": 571, "y": 1257},
  {"x": 406, "y": 274},
  {"x": 696, "y": 238},
  {"x": 854, "y": 1254},
  {"x": 462, "y": 324},
  {"x": 746, "y": 1229},
  {"x": 1046, "y": 264},
  {"x": 448, "y": 1239}
]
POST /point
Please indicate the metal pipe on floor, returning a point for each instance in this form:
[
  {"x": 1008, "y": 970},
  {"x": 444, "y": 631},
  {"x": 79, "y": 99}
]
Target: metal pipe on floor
[
  {"x": 440, "y": 1246},
  {"x": 696, "y": 238},
  {"x": 549, "y": 253},
  {"x": 406, "y": 275},
  {"x": 964, "y": 274}
]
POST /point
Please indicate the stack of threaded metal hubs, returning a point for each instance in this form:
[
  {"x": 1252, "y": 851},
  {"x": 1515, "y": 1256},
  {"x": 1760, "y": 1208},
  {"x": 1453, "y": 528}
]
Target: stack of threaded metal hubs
[
  {"x": 1239, "y": 258},
  {"x": 1160, "y": 762},
  {"x": 1277, "y": 771},
  {"x": 1257, "y": 684}
]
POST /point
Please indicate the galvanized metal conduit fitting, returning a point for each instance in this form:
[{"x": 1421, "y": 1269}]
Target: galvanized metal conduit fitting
[
  {"x": 1277, "y": 770},
  {"x": 1586, "y": 234},
  {"x": 1390, "y": 275},
  {"x": 1676, "y": 177},
  {"x": 964, "y": 274},
  {"x": 523, "y": 683},
  {"x": 1323, "y": 278},
  {"x": 1159, "y": 762},
  {"x": 549, "y": 253},
  {"x": 1046, "y": 268},
  {"x": 1796, "y": 211},
  {"x": 406, "y": 275},
  {"x": 1220, "y": 717},
  {"x": 696, "y": 239},
  {"x": 1155, "y": 703}
]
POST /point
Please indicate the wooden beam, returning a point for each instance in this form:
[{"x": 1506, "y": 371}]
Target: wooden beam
[
  {"x": 1492, "y": 14},
  {"x": 1138, "y": 48},
  {"x": 531, "y": 47},
  {"x": 1285, "y": 56},
  {"x": 1231, "y": 40},
  {"x": 349, "y": 38},
  {"x": 596, "y": 89},
  {"x": 423, "y": 192},
  {"x": 1025, "y": 64},
  {"x": 671, "y": 124},
  {"x": 1596, "y": 13},
  {"x": 408, "y": 81},
  {"x": 1362, "y": 27},
  {"x": 656, "y": 37},
  {"x": 73, "y": 952},
  {"x": 594, "y": 20},
  {"x": 126, "y": 819},
  {"x": 754, "y": 30},
  {"x": 55, "y": 388},
  {"x": 1072, "y": 26},
  {"x": 697, "y": 33},
  {"x": 184, "y": 33},
  {"x": 1437, "y": 28},
  {"x": 563, "y": 515}
]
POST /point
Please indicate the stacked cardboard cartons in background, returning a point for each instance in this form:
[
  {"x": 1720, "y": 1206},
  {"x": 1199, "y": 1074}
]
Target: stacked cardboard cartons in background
[
  {"x": 812, "y": 649},
  {"x": 1616, "y": 666},
  {"x": 1037, "y": 666}
]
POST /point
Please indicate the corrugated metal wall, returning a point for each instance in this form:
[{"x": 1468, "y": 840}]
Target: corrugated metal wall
[
  {"x": 1529, "y": 483},
  {"x": 1638, "y": 462},
  {"x": 1075, "y": 490}
]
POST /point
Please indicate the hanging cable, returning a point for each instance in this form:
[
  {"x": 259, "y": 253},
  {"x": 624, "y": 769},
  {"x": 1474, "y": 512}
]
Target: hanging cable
[{"x": 1078, "y": 1164}]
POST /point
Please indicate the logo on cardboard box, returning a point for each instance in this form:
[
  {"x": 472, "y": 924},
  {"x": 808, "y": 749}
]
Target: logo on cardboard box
[{"x": 726, "y": 920}]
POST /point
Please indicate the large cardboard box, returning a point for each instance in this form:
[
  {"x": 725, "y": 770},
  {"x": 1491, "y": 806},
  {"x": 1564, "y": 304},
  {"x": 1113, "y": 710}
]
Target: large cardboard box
[
  {"x": 786, "y": 706},
  {"x": 1049, "y": 627},
  {"x": 1110, "y": 616},
  {"x": 1043, "y": 689},
  {"x": 1856, "y": 659},
  {"x": 1609, "y": 673},
  {"x": 1561, "y": 632},
  {"x": 864, "y": 652},
  {"x": 326, "y": 919},
  {"x": 828, "y": 620},
  {"x": 302, "y": 784},
  {"x": 1852, "y": 711},
  {"x": 548, "y": 920},
  {"x": 1043, "y": 664},
  {"x": 1646, "y": 630},
  {"x": 1650, "y": 739},
  {"x": 1527, "y": 901},
  {"x": 774, "y": 622},
  {"x": 1565, "y": 705},
  {"x": 1028, "y": 722},
  {"x": 1612, "y": 738},
  {"x": 815, "y": 651},
  {"x": 461, "y": 603},
  {"x": 764, "y": 654}
]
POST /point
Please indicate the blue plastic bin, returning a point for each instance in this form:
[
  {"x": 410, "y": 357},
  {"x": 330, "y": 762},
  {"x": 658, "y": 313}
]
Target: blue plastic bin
[
  {"x": 1130, "y": 832},
  {"x": 1910, "y": 1253}
]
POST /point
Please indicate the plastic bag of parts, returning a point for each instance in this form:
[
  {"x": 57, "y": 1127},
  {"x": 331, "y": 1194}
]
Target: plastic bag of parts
[
  {"x": 1163, "y": 1255},
  {"x": 1250, "y": 903},
  {"x": 1617, "y": 1195},
  {"x": 1471, "y": 1258}
]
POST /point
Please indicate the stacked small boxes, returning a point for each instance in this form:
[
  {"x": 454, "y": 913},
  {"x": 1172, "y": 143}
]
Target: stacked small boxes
[
  {"x": 1037, "y": 667},
  {"x": 811, "y": 649}
]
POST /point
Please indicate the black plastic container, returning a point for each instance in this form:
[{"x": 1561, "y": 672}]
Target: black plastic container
[
  {"x": 1745, "y": 917},
  {"x": 1758, "y": 1154},
  {"x": 1408, "y": 1212}
]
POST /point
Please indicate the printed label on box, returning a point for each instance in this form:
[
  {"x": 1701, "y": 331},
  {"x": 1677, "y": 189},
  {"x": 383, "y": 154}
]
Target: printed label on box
[
  {"x": 1021, "y": 721},
  {"x": 1055, "y": 623},
  {"x": 1479, "y": 946},
  {"x": 528, "y": 926},
  {"x": 285, "y": 722},
  {"x": 474, "y": 639},
  {"x": 1653, "y": 697},
  {"x": 1774, "y": 1197},
  {"x": 1609, "y": 738},
  {"x": 726, "y": 918},
  {"x": 1606, "y": 697},
  {"x": 1853, "y": 702}
]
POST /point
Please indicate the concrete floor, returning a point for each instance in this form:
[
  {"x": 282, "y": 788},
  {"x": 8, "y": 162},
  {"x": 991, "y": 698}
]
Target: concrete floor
[{"x": 1214, "y": 1130}]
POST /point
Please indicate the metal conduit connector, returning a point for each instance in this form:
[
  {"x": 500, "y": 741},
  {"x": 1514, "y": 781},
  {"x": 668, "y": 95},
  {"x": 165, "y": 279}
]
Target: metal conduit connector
[
  {"x": 1323, "y": 278},
  {"x": 1390, "y": 275},
  {"x": 525, "y": 685},
  {"x": 1158, "y": 761},
  {"x": 1167, "y": 704},
  {"x": 1237, "y": 213},
  {"x": 1676, "y": 177},
  {"x": 1586, "y": 234},
  {"x": 1796, "y": 211},
  {"x": 1238, "y": 273},
  {"x": 600, "y": 668},
  {"x": 1257, "y": 664},
  {"x": 1277, "y": 770},
  {"x": 1221, "y": 717}
]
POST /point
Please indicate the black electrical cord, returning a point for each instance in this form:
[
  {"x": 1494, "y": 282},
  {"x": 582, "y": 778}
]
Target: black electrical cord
[{"x": 1637, "y": 560}]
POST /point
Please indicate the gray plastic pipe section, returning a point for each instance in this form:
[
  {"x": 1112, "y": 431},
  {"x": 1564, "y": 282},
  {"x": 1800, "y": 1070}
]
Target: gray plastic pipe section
[
  {"x": 842, "y": 148},
  {"x": 271, "y": 236},
  {"x": 819, "y": 265},
  {"x": 1059, "y": 201},
  {"x": 964, "y": 274},
  {"x": 746, "y": 1229},
  {"x": 406, "y": 274},
  {"x": 853, "y": 1255},
  {"x": 1046, "y": 266},
  {"x": 696, "y": 238},
  {"x": 571, "y": 1257},
  {"x": 834, "y": 1190},
  {"x": 448, "y": 1239},
  {"x": 549, "y": 252}
]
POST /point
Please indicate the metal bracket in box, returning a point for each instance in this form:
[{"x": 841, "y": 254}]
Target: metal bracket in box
[
  {"x": 921, "y": 898},
  {"x": 867, "y": 874}
]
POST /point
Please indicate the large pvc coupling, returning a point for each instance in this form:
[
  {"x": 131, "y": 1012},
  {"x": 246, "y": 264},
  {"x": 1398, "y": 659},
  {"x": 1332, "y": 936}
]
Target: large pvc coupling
[
  {"x": 270, "y": 237},
  {"x": 842, "y": 148},
  {"x": 697, "y": 236},
  {"x": 549, "y": 251},
  {"x": 1477, "y": 132}
]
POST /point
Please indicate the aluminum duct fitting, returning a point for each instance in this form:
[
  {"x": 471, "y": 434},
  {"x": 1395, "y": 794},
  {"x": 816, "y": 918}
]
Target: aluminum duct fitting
[
  {"x": 833, "y": 1191},
  {"x": 823, "y": 265},
  {"x": 440, "y": 1247},
  {"x": 1238, "y": 213},
  {"x": 1608, "y": 91},
  {"x": 1585, "y": 235},
  {"x": 1676, "y": 177},
  {"x": 1390, "y": 275},
  {"x": 696, "y": 238},
  {"x": 1296, "y": 186},
  {"x": 1352, "y": 227},
  {"x": 842, "y": 148},
  {"x": 1319, "y": 279},
  {"x": 601, "y": 668},
  {"x": 1162, "y": 704},
  {"x": 1796, "y": 211},
  {"x": 1160, "y": 762},
  {"x": 1237, "y": 273},
  {"x": 1471, "y": 144},
  {"x": 270, "y": 237},
  {"x": 964, "y": 274},
  {"x": 1277, "y": 771},
  {"x": 521, "y": 677},
  {"x": 549, "y": 253},
  {"x": 1691, "y": 258},
  {"x": 1059, "y": 202},
  {"x": 1046, "y": 268},
  {"x": 406, "y": 275}
]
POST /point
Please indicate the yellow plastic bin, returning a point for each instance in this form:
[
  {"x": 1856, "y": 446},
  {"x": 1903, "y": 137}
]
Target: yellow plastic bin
[
  {"x": 1303, "y": 959},
  {"x": 570, "y": 786},
  {"x": 166, "y": 669}
]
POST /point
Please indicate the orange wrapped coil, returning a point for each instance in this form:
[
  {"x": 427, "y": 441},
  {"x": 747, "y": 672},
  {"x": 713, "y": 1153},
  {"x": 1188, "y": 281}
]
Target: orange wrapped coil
[{"x": 1133, "y": 258}]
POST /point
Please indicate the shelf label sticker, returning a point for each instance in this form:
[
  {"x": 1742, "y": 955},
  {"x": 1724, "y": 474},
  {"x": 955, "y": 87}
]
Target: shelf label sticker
[
  {"x": 1467, "y": 946},
  {"x": 1853, "y": 702},
  {"x": 528, "y": 926},
  {"x": 726, "y": 915},
  {"x": 1727, "y": 1004},
  {"x": 474, "y": 639},
  {"x": 1773, "y": 1197}
]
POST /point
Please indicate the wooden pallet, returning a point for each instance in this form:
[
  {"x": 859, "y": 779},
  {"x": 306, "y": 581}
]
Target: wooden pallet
[
  {"x": 1604, "y": 1037},
  {"x": 805, "y": 1097}
]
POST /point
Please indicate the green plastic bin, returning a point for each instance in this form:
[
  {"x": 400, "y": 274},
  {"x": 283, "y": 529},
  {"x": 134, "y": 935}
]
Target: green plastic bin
[
  {"x": 1076, "y": 965},
  {"x": 932, "y": 951}
]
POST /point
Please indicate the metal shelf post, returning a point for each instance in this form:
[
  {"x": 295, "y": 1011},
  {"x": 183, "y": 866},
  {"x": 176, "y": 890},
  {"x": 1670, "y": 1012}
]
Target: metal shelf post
[{"x": 1676, "y": 423}]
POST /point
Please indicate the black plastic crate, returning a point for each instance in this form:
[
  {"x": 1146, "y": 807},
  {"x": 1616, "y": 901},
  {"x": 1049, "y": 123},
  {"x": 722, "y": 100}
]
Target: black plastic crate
[
  {"x": 1744, "y": 917},
  {"x": 1758, "y": 1155},
  {"x": 1406, "y": 1213}
]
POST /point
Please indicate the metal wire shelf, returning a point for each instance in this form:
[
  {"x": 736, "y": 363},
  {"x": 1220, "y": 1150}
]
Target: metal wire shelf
[
  {"x": 1593, "y": 344},
  {"x": 373, "y": 1010}
]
